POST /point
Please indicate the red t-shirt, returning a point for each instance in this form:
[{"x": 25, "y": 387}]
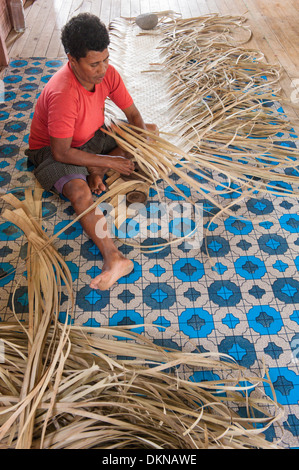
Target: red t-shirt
[{"x": 66, "y": 109}]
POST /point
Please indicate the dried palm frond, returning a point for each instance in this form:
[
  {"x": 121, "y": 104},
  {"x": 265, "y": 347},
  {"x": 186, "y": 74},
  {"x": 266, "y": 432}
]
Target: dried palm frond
[
  {"x": 160, "y": 159},
  {"x": 225, "y": 139},
  {"x": 218, "y": 90},
  {"x": 63, "y": 386}
]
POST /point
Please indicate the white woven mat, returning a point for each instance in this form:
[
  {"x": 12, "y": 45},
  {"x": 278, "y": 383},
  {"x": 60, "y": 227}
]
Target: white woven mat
[{"x": 132, "y": 51}]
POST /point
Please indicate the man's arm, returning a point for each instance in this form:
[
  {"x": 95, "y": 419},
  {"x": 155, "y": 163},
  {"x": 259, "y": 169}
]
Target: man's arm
[
  {"x": 63, "y": 152},
  {"x": 134, "y": 117}
]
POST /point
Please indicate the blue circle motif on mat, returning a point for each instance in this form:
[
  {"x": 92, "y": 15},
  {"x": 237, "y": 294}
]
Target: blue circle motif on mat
[
  {"x": 217, "y": 246},
  {"x": 157, "y": 270},
  {"x": 286, "y": 289},
  {"x": 238, "y": 226},
  {"x": 9, "y": 232},
  {"x": 224, "y": 293},
  {"x": 280, "y": 188},
  {"x": 28, "y": 87},
  {"x": 18, "y": 63},
  {"x": 71, "y": 232},
  {"x": 260, "y": 206},
  {"x": 12, "y": 79},
  {"x": 125, "y": 249},
  {"x": 92, "y": 300},
  {"x": 290, "y": 222},
  {"x": 126, "y": 296},
  {"x": 241, "y": 349},
  {"x": 151, "y": 244},
  {"x": 181, "y": 226},
  {"x": 22, "y": 105},
  {"x": 8, "y": 151},
  {"x": 15, "y": 126},
  {"x": 94, "y": 271},
  {"x": 273, "y": 244},
  {"x": 153, "y": 227},
  {"x": 250, "y": 267},
  {"x": 90, "y": 251},
  {"x": 286, "y": 204},
  {"x": 192, "y": 294},
  {"x": 159, "y": 295},
  {"x": 33, "y": 71},
  {"x": 285, "y": 383},
  {"x": 273, "y": 350},
  {"x": 280, "y": 266},
  {"x": 3, "y": 164},
  {"x": 219, "y": 268},
  {"x": 174, "y": 195},
  {"x": 264, "y": 319},
  {"x": 127, "y": 317},
  {"x": 196, "y": 322},
  {"x": 227, "y": 193},
  {"x": 266, "y": 224},
  {"x": 162, "y": 323},
  {"x": 54, "y": 63},
  {"x": 188, "y": 269},
  {"x": 46, "y": 78},
  {"x": 231, "y": 321}
]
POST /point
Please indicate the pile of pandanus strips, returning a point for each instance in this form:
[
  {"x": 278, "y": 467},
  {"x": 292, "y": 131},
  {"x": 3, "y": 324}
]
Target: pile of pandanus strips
[
  {"x": 221, "y": 94},
  {"x": 227, "y": 139},
  {"x": 66, "y": 386},
  {"x": 72, "y": 387}
]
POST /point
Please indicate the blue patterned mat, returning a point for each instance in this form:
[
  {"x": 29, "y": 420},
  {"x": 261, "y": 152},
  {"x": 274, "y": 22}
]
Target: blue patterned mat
[{"x": 245, "y": 303}]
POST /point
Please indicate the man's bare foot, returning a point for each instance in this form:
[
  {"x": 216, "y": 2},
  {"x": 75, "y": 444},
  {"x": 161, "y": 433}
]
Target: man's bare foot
[
  {"x": 95, "y": 182},
  {"x": 115, "y": 268}
]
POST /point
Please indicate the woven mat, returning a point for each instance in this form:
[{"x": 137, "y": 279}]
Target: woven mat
[{"x": 247, "y": 308}]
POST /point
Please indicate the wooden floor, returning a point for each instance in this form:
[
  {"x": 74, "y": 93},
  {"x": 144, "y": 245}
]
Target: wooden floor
[{"x": 274, "y": 24}]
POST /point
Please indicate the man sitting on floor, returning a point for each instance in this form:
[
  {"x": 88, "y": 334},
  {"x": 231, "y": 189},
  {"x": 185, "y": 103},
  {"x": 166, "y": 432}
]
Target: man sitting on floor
[{"x": 69, "y": 151}]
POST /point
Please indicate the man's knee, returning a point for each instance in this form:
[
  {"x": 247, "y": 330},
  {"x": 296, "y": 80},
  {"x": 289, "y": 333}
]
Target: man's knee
[{"x": 77, "y": 191}]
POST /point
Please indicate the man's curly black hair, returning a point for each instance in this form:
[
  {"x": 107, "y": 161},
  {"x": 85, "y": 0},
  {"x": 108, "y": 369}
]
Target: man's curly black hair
[{"x": 84, "y": 32}]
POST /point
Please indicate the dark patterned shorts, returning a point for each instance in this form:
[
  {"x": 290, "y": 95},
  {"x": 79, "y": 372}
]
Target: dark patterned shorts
[{"x": 48, "y": 171}]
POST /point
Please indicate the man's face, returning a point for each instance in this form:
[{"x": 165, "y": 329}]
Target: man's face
[{"x": 90, "y": 70}]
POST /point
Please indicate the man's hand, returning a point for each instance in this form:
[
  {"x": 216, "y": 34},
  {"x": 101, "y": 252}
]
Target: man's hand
[
  {"x": 63, "y": 152},
  {"x": 122, "y": 165}
]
